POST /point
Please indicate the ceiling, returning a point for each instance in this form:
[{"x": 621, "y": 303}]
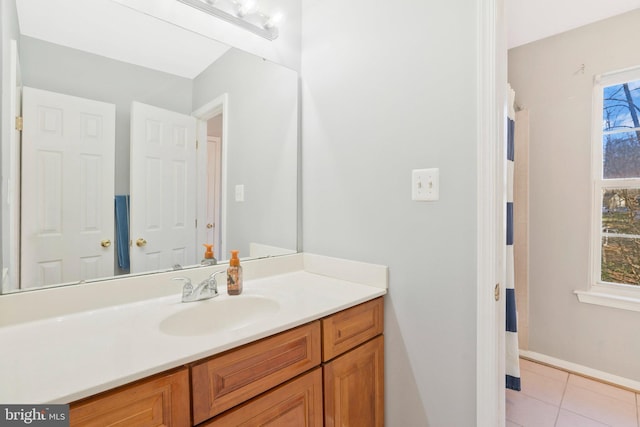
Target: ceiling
[
  {"x": 530, "y": 20},
  {"x": 111, "y": 29}
]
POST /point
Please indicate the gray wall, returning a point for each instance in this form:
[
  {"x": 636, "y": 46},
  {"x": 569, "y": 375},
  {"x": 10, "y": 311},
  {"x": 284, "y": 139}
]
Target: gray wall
[
  {"x": 545, "y": 77},
  {"x": 262, "y": 146},
  {"x": 379, "y": 101},
  {"x": 73, "y": 72}
]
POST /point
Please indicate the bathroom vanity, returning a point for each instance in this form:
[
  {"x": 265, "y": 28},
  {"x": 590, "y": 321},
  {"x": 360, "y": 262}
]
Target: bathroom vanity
[
  {"x": 306, "y": 349},
  {"x": 327, "y": 372}
]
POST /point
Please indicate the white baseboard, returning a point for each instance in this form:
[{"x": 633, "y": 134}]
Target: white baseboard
[{"x": 582, "y": 370}]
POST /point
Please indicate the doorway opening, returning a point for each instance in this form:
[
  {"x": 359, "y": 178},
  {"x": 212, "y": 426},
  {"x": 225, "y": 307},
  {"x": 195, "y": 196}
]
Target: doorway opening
[{"x": 212, "y": 138}]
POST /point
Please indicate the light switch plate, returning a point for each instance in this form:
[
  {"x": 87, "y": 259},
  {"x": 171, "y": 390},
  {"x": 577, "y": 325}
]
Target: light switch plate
[
  {"x": 240, "y": 193},
  {"x": 425, "y": 184}
]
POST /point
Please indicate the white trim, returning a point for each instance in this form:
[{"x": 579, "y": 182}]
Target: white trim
[
  {"x": 582, "y": 370},
  {"x": 616, "y": 77},
  {"x": 491, "y": 195},
  {"x": 13, "y": 185},
  {"x": 610, "y": 297},
  {"x": 204, "y": 113}
]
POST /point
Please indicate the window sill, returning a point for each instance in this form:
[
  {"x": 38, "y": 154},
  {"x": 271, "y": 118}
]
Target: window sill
[{"x": 608, "y": 297}]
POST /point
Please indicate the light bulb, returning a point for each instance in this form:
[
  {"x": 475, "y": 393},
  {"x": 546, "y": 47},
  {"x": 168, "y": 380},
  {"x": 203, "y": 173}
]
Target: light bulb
[
  {"x": 247, "y": 7},
  {"x": 274, "y": 20}
]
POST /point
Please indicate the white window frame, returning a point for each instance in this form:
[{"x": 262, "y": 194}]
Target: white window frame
[{"x": 621, "y": 296}]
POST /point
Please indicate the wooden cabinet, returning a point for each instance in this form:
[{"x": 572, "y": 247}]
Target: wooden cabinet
[
  {"x": 294, "y": 404},
  {"x": 227, "y": 380},
  {"x": 354, "y": 387},
  {"x": 326, "y": 373},
  {"x": 353, "y": 349},
  {"x": 162, "y": 400}
]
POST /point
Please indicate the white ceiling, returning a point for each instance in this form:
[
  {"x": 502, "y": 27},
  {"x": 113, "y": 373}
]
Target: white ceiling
[
  {"x": 530, "y": 20},
  {"x": 110, "y": 29}
]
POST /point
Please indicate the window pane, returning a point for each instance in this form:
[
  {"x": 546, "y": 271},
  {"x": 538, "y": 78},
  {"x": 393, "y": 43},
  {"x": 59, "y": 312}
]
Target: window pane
[
  {"x": 621, "y": 106},
  {"x": 621, "y": 260},
  {"x": 621, "y": 211},
  {"x": 621, "y": 155}
]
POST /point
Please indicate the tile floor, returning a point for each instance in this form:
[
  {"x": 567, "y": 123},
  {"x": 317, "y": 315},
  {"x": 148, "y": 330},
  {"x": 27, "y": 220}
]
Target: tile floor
[{"x": 555, "y": 398}]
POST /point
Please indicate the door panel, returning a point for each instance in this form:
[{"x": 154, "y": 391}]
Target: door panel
[
  {"x": 209, "y": 171},
  {"x": 163, "y": 179},
  {"x": 67, "y": 188}
]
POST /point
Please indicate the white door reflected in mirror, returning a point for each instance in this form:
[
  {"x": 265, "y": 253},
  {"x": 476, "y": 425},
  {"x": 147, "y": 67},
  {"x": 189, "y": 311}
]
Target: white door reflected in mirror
[
  {"x": 163, "y": 188},
  {"x": 67, "y": 188}
]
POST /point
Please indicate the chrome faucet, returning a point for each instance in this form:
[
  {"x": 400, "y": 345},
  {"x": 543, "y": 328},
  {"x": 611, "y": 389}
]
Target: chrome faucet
[{"x": 208, "y": 288}]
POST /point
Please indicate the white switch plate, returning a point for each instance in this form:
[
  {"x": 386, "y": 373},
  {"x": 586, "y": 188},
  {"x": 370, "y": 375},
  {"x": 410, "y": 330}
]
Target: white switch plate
[
  {"x": 425, "y": 184},
  {"x": 240, "y": 193}
]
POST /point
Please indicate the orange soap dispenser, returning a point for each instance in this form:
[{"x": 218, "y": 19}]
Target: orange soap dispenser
[
  {"x": 208, "y": 259},
  {"x": 234, "y": 275}
]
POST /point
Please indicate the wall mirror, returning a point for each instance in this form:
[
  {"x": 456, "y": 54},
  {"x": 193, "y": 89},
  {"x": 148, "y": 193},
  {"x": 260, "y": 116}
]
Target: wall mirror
[{"x": 140, "y": 142}]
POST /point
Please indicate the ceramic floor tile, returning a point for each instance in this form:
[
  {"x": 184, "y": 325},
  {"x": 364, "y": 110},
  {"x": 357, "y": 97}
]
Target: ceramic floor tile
[
  {"x": 601, "y": 388},
  {"x": 543, "y": 370},
  {"x": 542, "y": 387},
  {"x": 599, "y": 407},
  {"x": 569, "y": 419},
  {"x": 526, "y": 411}
]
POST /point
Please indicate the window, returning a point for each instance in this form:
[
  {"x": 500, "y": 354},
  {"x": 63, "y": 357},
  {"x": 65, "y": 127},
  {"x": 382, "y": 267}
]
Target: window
[{"x": 616, "y": 176}]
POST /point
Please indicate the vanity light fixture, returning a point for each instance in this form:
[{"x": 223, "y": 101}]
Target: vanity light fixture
[{"x": 243, "y": 13}]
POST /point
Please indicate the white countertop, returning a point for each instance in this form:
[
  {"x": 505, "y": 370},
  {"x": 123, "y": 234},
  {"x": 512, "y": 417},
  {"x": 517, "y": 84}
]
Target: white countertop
[{"x": 68, "y": 357}]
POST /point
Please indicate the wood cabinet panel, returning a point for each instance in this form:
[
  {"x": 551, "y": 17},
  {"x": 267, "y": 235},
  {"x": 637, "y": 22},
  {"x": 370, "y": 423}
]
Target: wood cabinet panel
[
  {"x": 350, "y": 328},
  {"x": 354, "y": 387},
  {"x": 159, "y": 401},
  {"x": 295, "y": 404},
  {"x": 234, "y": 377}
]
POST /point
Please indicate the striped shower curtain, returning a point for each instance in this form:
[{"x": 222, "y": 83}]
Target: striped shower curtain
[{"x": 511, "y": 341}]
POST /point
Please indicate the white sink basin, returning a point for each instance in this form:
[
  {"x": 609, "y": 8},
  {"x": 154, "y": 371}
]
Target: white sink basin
[{"x": 218, "y": 314}]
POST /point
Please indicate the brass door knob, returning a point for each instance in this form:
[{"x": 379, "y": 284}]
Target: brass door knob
[
  {"x": 141, "y": 242},
  {"x": 209, "y": 225},
  {"x": 105, "y": 243}
]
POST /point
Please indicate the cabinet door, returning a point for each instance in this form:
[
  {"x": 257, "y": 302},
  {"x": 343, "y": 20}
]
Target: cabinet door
[
  {"x": 159, "y": 401},
  {"x": 349, "y": 328},
  {"x": 229, "y": 379},
  {"x": 354, "y": 387},
  {"x": 294, "y": 404}
]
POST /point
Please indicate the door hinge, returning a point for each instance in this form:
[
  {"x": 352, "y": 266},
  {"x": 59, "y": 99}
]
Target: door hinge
[
  {"x": 197, "y": 144},
  {"x": 196, "y": 222},
  {"x": 496, "y": 292},
  {"x": 19, "y": 123}
]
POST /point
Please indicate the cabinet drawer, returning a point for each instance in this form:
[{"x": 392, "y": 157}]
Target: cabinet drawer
[
  {"x": 238, "y": 375},
  {"x": 158, "y": 401},
  {"x": 350, "y": 328},
  {"x": 296, "y": 403}
]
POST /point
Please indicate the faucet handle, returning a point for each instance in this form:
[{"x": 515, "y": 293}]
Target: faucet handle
[
  {"x": 187, "y": 289},
  {"x": 213, "y": 283}
]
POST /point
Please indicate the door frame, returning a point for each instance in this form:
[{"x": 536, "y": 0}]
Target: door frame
[
  {"x": 11, "y": 240},
  {"x": 491, "y": 221},
  {"x": 216, "y": 106}
]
